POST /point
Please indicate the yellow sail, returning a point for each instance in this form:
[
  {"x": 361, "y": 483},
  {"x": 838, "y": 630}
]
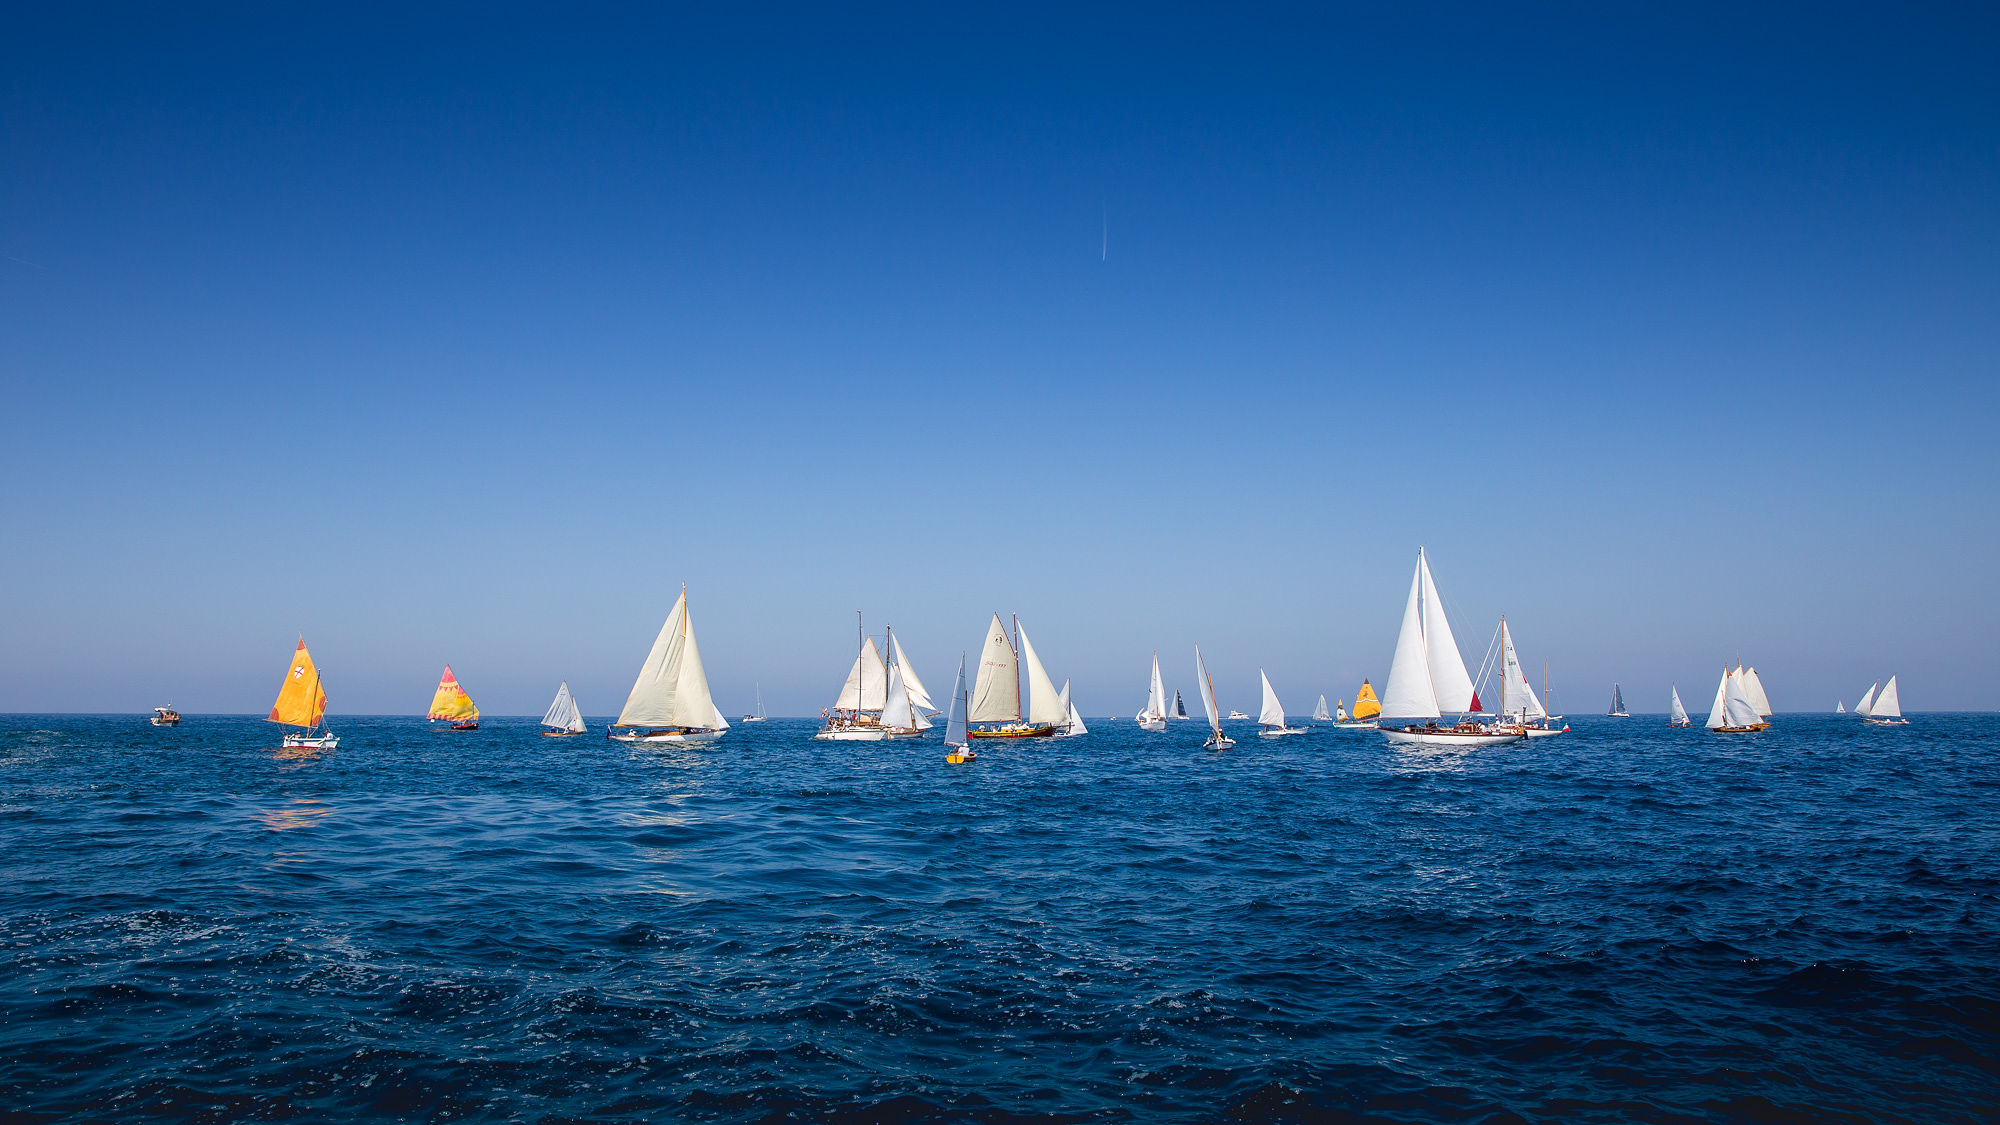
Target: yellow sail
[
  {"x": 1366, "y": 706},
  {"x": 301, "y": 701},
  {"x": 451, "y": 702}
]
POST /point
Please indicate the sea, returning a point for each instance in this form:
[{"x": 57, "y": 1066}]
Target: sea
[{"x": 1627, "y": 923}]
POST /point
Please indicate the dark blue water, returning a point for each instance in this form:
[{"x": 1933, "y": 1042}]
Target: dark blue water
[{"x": 1628, "y": 923}]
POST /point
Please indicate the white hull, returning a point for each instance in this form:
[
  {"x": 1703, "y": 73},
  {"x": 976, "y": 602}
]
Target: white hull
[
  {"x": 1537, "y": 732},
  {"x": 1153, "y": 724},
  {"x": 1447, "y": 738},
  {"x": 1887, "y": 722},
  {"x": 1280, "y": 732},
  {"x": 670, "y": 736},
  {"x": 1219, "y": 742},
  {"x": 1356, "y": 724},
  {"x": 865, "y": 734},
  {"x": 752, "y": 719},
  {"x": 322, "y": 742},
  {"x": 1238, "y": 715}
]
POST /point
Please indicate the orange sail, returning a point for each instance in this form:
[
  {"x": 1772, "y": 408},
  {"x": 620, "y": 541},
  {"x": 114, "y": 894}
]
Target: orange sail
[
  {"x": 451, "y": 702},
  {"x": 301, "y": 701},
  {"x": 1366, "y": 706}
]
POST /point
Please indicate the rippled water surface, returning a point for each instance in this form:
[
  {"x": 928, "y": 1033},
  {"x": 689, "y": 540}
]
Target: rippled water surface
[{"x": 1628, "y": 923}]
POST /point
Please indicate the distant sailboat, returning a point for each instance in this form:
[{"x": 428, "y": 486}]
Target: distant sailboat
[
  {"x": 1271, "y": 713},
  {"x": 1216, "y": 739},
  {"x": 1180, "y": 706},
  {"x": 958, "y": 748},
  {"x": 1427, "y": 677},
  {"x": 670, "y": 700},
  {"x": 1321, "y": 714},
  {"x": 1520, "y": 709},
  {"x": 1677, "y": 715},
  {"x": 1618, "y": 703},
  {"x": 996, "y": 691},
  {"x": 302, "y": 703},
  {"x": 758, "y": 717},
  {"x": 563, "y": 717},
  {"x": 450, "y": 705},
  {"x": 1840, "y": 707},
  {"x": 1888, "y": 708},
  {"x": 1075, "y": 725},
  {"x": 1367, "y": 708},
  {"x": 1867, "y": 703},
  {"x": 1732, "y": 712},
  {"x": 1154, "y": 717}
]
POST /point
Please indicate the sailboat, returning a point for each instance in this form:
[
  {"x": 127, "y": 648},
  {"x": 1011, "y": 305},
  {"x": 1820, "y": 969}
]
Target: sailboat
[
  {"x": 1321, "y": 714},
  {"x": 1753, "y": 690},
  {"x": 996, "y": 692},
  {"x": 875, "y": 702},
  {"x": 1840, "y": 707},
  {"x": 1154, "y": 716},
  {"x": 1271, "y": 713},
  {"x": 1074, "y": 726},
  {"x": 1618, "y": 704},
  {"x": 1732, "y": 712},
  {"x": 1427, "y": 677},
  {"x": 1366, "y": 708},
  {"x": 563, "y": 718},
  {"x": 670, "y": 700},
  {"x": 1677, "y": 715},
  {"x": 302, "y": 703},
  {"x": 450, "y": 705},
  {"x": 1519, "y": 708},
  {"x": 1180, "y": 706},
  {"x": 1867, "y": 703},
  {"x": 758, "y": 717},
  {"x": 1888, "y": 708},
  {"x": 958, "y": 748},
  {"x": 1216, "y": 739}
]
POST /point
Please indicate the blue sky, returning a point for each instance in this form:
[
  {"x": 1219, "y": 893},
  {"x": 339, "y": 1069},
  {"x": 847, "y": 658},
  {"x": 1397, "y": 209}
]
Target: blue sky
[{"x": 468, "y": 335}]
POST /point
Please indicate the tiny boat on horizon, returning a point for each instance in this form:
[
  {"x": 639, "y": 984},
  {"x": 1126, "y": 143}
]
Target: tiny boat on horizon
[{"x": 166, "y": 716}]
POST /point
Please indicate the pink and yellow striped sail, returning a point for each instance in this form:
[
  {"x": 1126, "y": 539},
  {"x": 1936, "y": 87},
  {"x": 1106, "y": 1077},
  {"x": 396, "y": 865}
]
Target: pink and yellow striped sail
[{"x": 451, "y": 702}]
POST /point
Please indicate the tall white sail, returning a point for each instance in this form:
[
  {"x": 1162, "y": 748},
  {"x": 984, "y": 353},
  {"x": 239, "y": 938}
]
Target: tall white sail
[
  {"x": 1408, "y": 694},
  {"x": 1207, "y": 691},
  {"x": 1076, "y": 726},
  {"x": 672, "y": 688},
  {"x": 563, "y": 714},
  {"x": 897, "y": 714},
  {"x": 867, "y": 686},
  {"x": 996, "y": 690},
  {"x": 1320, "y": 713},
  {"x": 1718, "y": 715},
  {"x": 919, "y": 697},
  {"x": 954, "y": 726},
  {"x": 1156, "y": 696},
  {"x": 1867, "y": 705},
  {"x": 1741, "y": 712},
  {"x": 1449, "y": 680},
  {"x": 1063, "y": 697},
  {"x": 1678, "y": 714},
  {"x": 1889, "y": 705},
  {"x": 1520, "y": 695},
  {"x": 1272, "y": 713},
  {"x": 1753, "y": 690},
  {"x": 1045, "y": 705}
]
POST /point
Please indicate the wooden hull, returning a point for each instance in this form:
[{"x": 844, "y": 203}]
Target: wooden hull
[
  {"x": 561, "y": 733},
  {"x": 1014, "y": 732},
  {"x": 1740, "y": 730}
]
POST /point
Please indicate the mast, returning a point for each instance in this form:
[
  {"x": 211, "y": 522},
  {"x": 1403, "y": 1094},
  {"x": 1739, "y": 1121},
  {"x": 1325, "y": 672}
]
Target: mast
[{"x": 1017, "y": 665}]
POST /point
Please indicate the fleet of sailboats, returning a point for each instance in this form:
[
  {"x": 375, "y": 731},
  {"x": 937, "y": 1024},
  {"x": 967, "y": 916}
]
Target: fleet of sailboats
[
  {"x": 302, "y": 703},
  {"x": 563, "y": 718},
  {"x": 670, "y": 701},
  {"x": 1427, "y": 678},
  {"x": 1884, "y": 707},
  {"x": 451, "y": 706},
  {"x": 1271, "y": 714}
]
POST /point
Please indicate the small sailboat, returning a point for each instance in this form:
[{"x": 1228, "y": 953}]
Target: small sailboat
[
  {"x": 1180, "y": 706},
  {"x": 996, "y": 691},
  {"x": 563, "y": 718},
  {"x": 758, "y": 716},
  {"x": 1520, "y": 709},
  {"x": 670, "y": 700},
  {"x": 1427, "y": 678},
  {"x": 1677, "y": 715},
  {"x": 166, "y": 716},
  {"x": 1322, "y": 715},
  {"x": 1867, "y": 703},
  {"x": 1732, "y": 712},
  {"x": 1154, "y": 717},
  {"x": 958, "y": 747},
  {"x": 1618, "y": 703},
  {"x": 1074, "y": 726},
  {"x": 1216, "y": 739},
  {"x": 1366, "y": 709},
  {"x": 1271, "y": 713},
  {"x": 450, "y": 705},
  {"x": 1888, "y": 708},
  {"x": 1840, "y": 707},
  {"x": 302, "y": 703}
]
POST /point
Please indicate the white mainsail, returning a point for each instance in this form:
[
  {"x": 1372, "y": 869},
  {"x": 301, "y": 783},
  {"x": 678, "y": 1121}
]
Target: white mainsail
[
  {"x": 1677, "y": 714},
  {"x": 1045, "y": 705},
  {"x": 1063, "y": 697},
  {"x": 954, "y": 726},
  {"x": 672, "y": 688},
  {"x": 996, "y": 690},
  {"x": 1409, "y": 694},
  {"x": 897, "y": 714},
  {"x": 867, "y": 686},
  {"x": 1753, "y": 690},
  {"x": 919, "y": 697},
  {"x": 1742, "y": 713},
  {"x": 1272, "y": 713},
  {"x": 1207, "y": 691},
  {"x": 1519, "y": 695},
  {"x": 1867, "y": 705},
  {"x": 1448, "y": 676},
  {"x": 1320, "y": 713},
  {"x": 563, "y": 714},
  {"x": 1156, "y": 695},
  {"x": 1889, "y": 705},
  {"x": 1718, "y": 715}
]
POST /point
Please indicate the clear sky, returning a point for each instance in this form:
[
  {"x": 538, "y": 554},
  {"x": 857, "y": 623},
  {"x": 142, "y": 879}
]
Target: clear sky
[{"x": 470, "y": 334}]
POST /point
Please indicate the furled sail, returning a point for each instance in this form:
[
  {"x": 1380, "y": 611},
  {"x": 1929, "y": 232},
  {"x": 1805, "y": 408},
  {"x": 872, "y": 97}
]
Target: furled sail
[
  {"x": 867, "y": 686},
  {"x": 1272, "y": 713},
  {"x": 920, "y": 697},
  {"x": 672, "y": 688},
  {"x": 1678, "y": 714},
  {"x": 1889, "y": 705},
  {"x": 1045, "y": 704},
  {"x": 301, "y": 700},
  {"x": 1753, "y": 690},
  {"x": 1366, "y": 706},
  {"x": 450, "y": 700},
  {"x": 1520, "y": 695},
  {"x": 1449, "y": 680},
  {"x": 996, "y": 690},
  {"x": 563, "y": 713},
  {"x": 1409, "y": 694},
  {"x": 1867, "y": 705},
  {"x": 1320, "y": 713}
]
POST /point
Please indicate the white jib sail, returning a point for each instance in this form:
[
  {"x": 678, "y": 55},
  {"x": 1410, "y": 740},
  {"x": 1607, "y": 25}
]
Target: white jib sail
[
  {"x": 1272, "y": 713},
  {"x": 563, "y": 714},
  {"x": 1718, "y": 715},
  {"x": 1076, "y": 722},
  {"x": 1320, "y": 712},
  {"x": 1521, "y": 699},
  {"x": 1063, "y": 696},
  {"x": 1741, "y": 712},
  {"x": 1045, "y": 704},
  {"x": 867, "y": 686},
  {"x": 996, "y": 690},
  {"x": 897, "y": 714},
  {"x": 1408, "y": 693},
  {"x": 1867, "y": 705},
  {"x": 1753, "y": 690},
  {"x": 1678, "y": 713},
  {"x": 1156, "y": 696},
  {"x": 651, "y": 702},
  {"x": 954, "y": 727},
  {"x": 1449, "y": 680},
  {"x": 1889, "y": 705},
  {"x": 1207, "y": 691},
  {"x": 920, "y": 698}
]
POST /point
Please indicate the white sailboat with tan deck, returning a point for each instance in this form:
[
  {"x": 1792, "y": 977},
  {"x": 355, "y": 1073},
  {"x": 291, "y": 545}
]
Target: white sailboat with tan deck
[
  {"x": 1216, "y": 739},
  {"x": 1677, "y": 715},
  {"x": 563, "y": 717},
  {"x": 996, "y": 692},
  {"x": 1427, "y": 678},
  {"x": 876, "y": 702},
  {"x": 1520, "y": 708},
  {"x": 1154, "y": 717},
  {"x": 1732, "y": 712},
  {"x": 1271, "y": 713},
  {"x": 670, "y": 700},
  {"x": 1887, "y": 708}
]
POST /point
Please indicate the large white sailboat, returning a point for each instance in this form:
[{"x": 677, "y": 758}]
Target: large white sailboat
[
  {"x": 1216, "y": 739},
  {"x": 1887, "y": 709},
  {"x": 1154, "y": 717},
  {"x": 563, "y": 718},
  {"x": 996, "y": 690},
  {"x": 1677, "y": 715},
  {"x": 670, "y": 700},
  {"x": 1271, "y": 713},
  {"x": 1732, "y": 712},
  {"x": 875, "y": 702},
  {"x": 1520, "y": 708},
  {"x": 1427, "y": 678}
]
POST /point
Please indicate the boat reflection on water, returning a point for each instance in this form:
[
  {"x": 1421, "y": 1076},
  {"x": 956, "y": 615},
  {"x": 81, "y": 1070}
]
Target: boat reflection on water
[
  {"x": 295, "y": 756},
  {"x": 301, "y": 813}
]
